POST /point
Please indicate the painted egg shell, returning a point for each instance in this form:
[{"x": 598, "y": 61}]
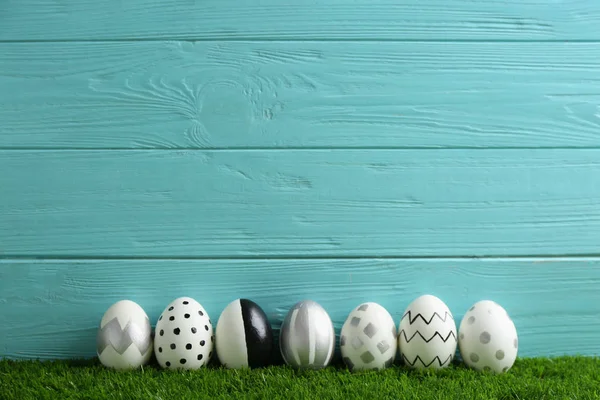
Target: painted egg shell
[
  {"x": 183, "y": 335},
  {"x": 244, "y": 337},
  {"x": 487, "y": 338},
  {"x": 368, "y": 338},
  {"x": 307, "y": 337},
  {"x": 124, "y": 339},
  {"x": 427, "y": 334}
]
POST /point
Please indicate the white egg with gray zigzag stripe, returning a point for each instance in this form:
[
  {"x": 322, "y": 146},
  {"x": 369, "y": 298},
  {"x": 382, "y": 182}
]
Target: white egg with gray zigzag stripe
[
  {"x": 124, "y": 337},
  {"x": 368, "y": 338},
  {"x": 427, "y": 334}
]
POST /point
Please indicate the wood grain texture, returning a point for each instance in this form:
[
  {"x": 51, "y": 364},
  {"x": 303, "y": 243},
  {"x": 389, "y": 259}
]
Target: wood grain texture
[
  {"x": 282, "y": 95},
  {"x": 275, "y": 19},
  {"x": 344, "y": 151},
  {"x": 51, "y": 309},
  {"x": 191, "y": 203}
]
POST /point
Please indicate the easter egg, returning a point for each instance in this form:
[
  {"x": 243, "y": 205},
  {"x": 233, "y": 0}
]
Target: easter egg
[
  {"x": 368, "y": 338},
  {"x": 487, "y": 338},
  {"x": 183, "y": 335},
  {"x": 307, "y": 337},
  {"x": 124, "y": 337},
  {"x": 427, "y": 334},
  {"x": 243, "y": 336}
]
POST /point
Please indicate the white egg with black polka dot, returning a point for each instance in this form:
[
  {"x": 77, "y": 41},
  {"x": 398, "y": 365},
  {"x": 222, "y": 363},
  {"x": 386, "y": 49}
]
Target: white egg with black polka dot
[
  {"x": 184, "y": 335},
  {"x": 487, "y": 338}
]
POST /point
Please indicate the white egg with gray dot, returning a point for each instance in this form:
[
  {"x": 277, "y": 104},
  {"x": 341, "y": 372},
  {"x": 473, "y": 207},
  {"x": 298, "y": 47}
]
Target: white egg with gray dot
[{"x": 487, "y": 338}]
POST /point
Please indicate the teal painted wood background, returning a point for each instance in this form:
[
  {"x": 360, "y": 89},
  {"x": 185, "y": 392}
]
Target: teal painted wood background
[{"x": 344, "y": 151}]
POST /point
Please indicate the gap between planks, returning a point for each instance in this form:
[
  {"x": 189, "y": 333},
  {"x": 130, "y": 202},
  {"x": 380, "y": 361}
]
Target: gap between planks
[
  {"x": 295, "y": 40},
  {"x": 292, "y": 148},
  {"x": 65, "y": 258}
]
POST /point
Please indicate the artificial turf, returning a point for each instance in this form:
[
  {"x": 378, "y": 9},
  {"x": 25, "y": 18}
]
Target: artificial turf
[{"x": 554, "y": 378}]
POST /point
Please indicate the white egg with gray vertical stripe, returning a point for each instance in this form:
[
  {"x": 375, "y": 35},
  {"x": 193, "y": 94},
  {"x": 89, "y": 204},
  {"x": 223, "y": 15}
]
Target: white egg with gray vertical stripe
[
  {"x": 368, "y": 338},
  {"x": 124, "y": 337},
  {"x": 487, "y": 338},
  {"x": 307, "y": 336}
]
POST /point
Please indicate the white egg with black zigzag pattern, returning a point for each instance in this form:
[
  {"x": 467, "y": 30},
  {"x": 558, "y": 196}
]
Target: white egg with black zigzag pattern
[{"x": 427, "y": 334}]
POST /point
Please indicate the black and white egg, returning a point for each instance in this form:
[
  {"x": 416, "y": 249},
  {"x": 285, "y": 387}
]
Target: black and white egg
[
  {"x": 184, "y": 335},
  {"x": 368, "y": 338},
  {"x": 124, "y": 337},
  {"x": 427, "y": 334},
  {"x": 487, "y": 338},
  {"x": 244, "y": 337}
]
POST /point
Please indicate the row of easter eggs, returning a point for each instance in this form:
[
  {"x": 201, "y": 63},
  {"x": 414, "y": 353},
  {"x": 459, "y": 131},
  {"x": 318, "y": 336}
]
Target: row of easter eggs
[{"x": 369, "y": 339}]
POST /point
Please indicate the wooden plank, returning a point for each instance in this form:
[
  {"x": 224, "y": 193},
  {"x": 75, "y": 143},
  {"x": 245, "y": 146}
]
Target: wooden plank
[
  {"x": 51, "y": 308},
  {"x": 282, "y": 95},
  {"x": 301, "y": 19},
  {"x": 186, "y": 203}
]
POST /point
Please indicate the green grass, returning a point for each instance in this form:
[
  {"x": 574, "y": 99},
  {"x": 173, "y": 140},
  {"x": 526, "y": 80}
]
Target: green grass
[{"x": 557, "y": 378}]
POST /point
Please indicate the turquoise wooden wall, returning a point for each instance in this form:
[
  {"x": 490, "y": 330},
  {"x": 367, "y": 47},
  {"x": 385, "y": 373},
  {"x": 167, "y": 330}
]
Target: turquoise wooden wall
[{"x": 344, "y": 151}]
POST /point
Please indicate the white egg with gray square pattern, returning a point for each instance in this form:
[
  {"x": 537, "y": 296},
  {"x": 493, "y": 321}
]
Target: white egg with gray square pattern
[
  {"x": 487, "y": 338},
  {"x": 368, "y": 338}
]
